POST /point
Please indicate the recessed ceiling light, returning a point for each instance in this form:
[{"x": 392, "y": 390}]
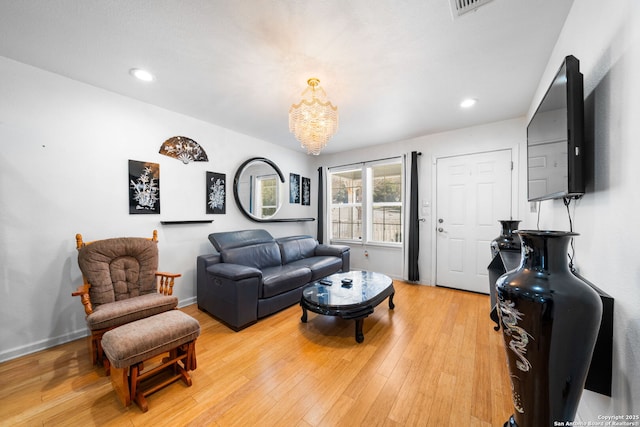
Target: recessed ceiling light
[
  {"x": 469, "y": 102},
  {"x": 143, "y": 75}
]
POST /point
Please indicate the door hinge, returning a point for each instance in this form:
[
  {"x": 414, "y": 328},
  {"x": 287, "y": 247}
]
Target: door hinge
[{"x": 511, "y": 164}]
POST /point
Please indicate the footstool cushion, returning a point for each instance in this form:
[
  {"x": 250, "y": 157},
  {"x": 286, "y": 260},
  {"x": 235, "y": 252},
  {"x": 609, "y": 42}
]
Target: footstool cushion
[
  {"x": 145, "y": 338},
  {"x": 129, "y": 346}
]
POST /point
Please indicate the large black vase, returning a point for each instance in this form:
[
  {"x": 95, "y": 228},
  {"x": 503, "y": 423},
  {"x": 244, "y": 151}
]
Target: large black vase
[
  {"x": 507, "y": 240},
  {"x": 550, "y": 320}
]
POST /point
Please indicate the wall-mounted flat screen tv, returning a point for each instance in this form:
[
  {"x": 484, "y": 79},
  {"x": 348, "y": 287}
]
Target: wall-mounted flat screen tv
[{"x": 555, "y": 138}]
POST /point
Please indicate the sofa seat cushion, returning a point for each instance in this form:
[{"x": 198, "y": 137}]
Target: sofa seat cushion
[
  {"x": 276, "y": 280},
  {"x": 321, "y": 266},
  {"x": 129, "y": 310}
]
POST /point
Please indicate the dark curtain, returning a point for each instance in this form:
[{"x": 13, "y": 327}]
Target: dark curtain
[
  {"x": 414, "y": 221},
  {"x": 320, "y": 232}
]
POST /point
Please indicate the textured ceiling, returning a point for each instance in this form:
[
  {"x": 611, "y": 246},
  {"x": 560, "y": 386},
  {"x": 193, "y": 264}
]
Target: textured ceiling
[{"x": 395, "y": 68}]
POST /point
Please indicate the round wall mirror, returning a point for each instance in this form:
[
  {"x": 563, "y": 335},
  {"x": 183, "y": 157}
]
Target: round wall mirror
[{"x": 257, "y": 188}]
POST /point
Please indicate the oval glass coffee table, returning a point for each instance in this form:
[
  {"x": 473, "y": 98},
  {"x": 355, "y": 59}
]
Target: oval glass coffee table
[{"x": 336, "y": 296}]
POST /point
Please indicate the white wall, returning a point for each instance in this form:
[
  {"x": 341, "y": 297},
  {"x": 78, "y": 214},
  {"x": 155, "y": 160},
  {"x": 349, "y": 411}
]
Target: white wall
[
  {"x": 606, "y": 40},
  {"x": 509, "y": 134},
  {"x": 605, "y": 37},
  {"x": 64, "y": 157}
]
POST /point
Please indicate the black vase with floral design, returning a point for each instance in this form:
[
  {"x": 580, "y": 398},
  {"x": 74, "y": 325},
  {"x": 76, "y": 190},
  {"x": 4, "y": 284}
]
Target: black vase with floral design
[
  {"x": 507, "y": 240},
  {"x": 550, "y": 320}
]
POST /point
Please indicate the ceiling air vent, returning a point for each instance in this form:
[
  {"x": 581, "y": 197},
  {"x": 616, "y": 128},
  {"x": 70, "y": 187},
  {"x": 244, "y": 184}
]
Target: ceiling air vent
[{"x": 460, "y": 7}]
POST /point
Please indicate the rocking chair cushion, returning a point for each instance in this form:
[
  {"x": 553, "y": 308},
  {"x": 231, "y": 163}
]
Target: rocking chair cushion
[
  {"x": 119, "y": 268},
  {"x": 129, "y": 310}
]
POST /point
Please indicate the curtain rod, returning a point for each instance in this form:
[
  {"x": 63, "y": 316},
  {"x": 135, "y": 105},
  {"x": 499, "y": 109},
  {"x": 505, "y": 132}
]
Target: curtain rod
[{"x": 367, "y": 161}]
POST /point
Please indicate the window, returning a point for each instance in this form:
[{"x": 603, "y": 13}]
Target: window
[
  {"x": 386, "y": 203},
  {"x": 266, "y": 195},
  {"x": 366, "y": 202},
  {"x": 346, "y": 205}
]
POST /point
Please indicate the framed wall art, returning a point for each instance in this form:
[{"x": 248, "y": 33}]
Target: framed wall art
[
  {"x": 216, "y": 193},
  {"x": 294, "y": 188},
  {"x": 144, "y": 187},
  {"x": 306, "y": 191}
]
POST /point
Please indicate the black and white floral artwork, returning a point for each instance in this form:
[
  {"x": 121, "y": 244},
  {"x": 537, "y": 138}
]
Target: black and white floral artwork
[
  {"x": 306, "y": 191},
  {"x": 216, "y": 193},
  {"x": 294, "y": 188},
  {"x": 144, "y": 187}
]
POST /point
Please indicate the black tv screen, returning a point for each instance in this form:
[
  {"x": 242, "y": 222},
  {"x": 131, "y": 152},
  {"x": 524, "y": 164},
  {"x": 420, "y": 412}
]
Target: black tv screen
[{"x": 555, "y": 138}]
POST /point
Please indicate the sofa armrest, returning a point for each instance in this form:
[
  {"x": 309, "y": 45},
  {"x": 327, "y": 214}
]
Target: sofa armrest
[
  {"x": 202, "y": 263},
  {"x": 340, "y": 251},
  {"x": 234, "y": 272},
  {"x": 229, "y": 292},
  {"x": 333, "y": 250}
]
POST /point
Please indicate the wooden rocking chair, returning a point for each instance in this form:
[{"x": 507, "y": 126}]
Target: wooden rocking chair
[{"x": 121, "y": 285}]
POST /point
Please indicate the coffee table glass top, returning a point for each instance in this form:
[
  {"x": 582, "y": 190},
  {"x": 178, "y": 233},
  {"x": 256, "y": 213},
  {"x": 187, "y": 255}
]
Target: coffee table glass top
[{"x": 365, "y": 286}]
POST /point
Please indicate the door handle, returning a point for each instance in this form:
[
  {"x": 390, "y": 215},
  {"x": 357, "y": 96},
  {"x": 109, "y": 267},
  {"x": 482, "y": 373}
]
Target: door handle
[{"x": 440, "y": 229}]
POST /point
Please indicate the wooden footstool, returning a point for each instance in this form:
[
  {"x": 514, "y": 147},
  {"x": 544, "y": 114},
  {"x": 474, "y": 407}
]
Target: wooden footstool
[{"x": 129, "y": 345}]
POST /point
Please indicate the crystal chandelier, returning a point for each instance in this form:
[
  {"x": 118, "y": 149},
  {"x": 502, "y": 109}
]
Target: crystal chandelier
[{"x": 314, "y": 120}]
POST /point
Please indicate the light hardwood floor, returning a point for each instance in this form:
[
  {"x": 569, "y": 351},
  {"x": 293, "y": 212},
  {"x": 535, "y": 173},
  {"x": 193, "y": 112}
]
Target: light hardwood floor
[{"x": 433, "y": 361}]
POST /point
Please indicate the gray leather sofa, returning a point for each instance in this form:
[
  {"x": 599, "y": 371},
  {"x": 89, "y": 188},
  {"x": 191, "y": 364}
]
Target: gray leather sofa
[{"x": 253, "y": 275}]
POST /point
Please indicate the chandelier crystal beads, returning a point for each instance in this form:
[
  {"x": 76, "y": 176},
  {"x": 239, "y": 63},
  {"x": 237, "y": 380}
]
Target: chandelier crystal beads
[{"x": 314, "y": 120}]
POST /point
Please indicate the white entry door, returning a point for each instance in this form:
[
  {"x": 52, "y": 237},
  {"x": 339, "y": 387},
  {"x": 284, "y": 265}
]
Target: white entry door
[{"x": 473, "y": 192}]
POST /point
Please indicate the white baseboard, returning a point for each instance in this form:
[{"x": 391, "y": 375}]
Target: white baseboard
[
  {"x": 24, "y": 350},
  {"x": 187, "y": 302}
]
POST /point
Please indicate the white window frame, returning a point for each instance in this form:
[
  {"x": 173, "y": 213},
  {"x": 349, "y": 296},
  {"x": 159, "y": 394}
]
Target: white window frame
[
  {"x": 370, "y": 203},
  {"x": 367, "y": 202},
  {"x": 342, "y": 169},
  {"x": 258, "y": 199}
]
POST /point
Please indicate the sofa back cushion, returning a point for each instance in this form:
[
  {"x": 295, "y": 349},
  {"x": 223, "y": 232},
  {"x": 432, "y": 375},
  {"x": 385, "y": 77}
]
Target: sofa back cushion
[
  {"x": 296, "y": 247},
  {"x": 234, "y": 239},
  {"x": 259, "y": 256}
]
